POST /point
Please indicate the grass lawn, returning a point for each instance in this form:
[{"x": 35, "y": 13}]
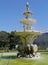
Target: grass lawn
[{"x": 12, "y": 60}]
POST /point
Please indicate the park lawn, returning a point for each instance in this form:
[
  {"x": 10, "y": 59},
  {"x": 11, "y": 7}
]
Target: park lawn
[{"x": 13, "y": 61}]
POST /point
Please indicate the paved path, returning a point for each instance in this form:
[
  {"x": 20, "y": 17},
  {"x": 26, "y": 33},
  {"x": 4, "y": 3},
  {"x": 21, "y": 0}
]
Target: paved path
[
  {"x": 44, "y": 52},
  {"x": 8, "y": 54}
]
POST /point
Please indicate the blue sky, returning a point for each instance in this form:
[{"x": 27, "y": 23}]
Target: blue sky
[{"x": 11, "y": 12}]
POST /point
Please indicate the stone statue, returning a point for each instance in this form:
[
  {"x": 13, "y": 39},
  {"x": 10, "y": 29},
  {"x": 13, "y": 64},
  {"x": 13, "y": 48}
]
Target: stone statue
[
  {"x": 27, "y": 6},
  {"x": 28, "y": 51}
]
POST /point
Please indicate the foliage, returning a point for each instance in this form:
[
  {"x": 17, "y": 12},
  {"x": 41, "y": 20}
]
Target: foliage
[{"x": 10, "y": 40}]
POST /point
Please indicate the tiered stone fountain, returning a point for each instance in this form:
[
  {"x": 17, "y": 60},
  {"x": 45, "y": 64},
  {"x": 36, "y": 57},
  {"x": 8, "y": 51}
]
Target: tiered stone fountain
[{"x": 30, "y": 50}]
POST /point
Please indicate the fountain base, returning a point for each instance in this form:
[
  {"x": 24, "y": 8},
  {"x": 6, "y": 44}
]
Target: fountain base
[{"x": 30, "y": 57}]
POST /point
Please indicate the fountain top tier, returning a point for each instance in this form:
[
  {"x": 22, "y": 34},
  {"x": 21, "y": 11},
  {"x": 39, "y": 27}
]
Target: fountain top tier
[{"x": 27, "y": 13}]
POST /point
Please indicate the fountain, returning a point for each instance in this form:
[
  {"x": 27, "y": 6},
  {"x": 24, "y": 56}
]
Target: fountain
[{"x": 30, "y": 49}]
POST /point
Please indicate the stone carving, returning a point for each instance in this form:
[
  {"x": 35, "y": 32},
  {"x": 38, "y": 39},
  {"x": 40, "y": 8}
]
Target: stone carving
[{"x": 29, "y": 50}]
